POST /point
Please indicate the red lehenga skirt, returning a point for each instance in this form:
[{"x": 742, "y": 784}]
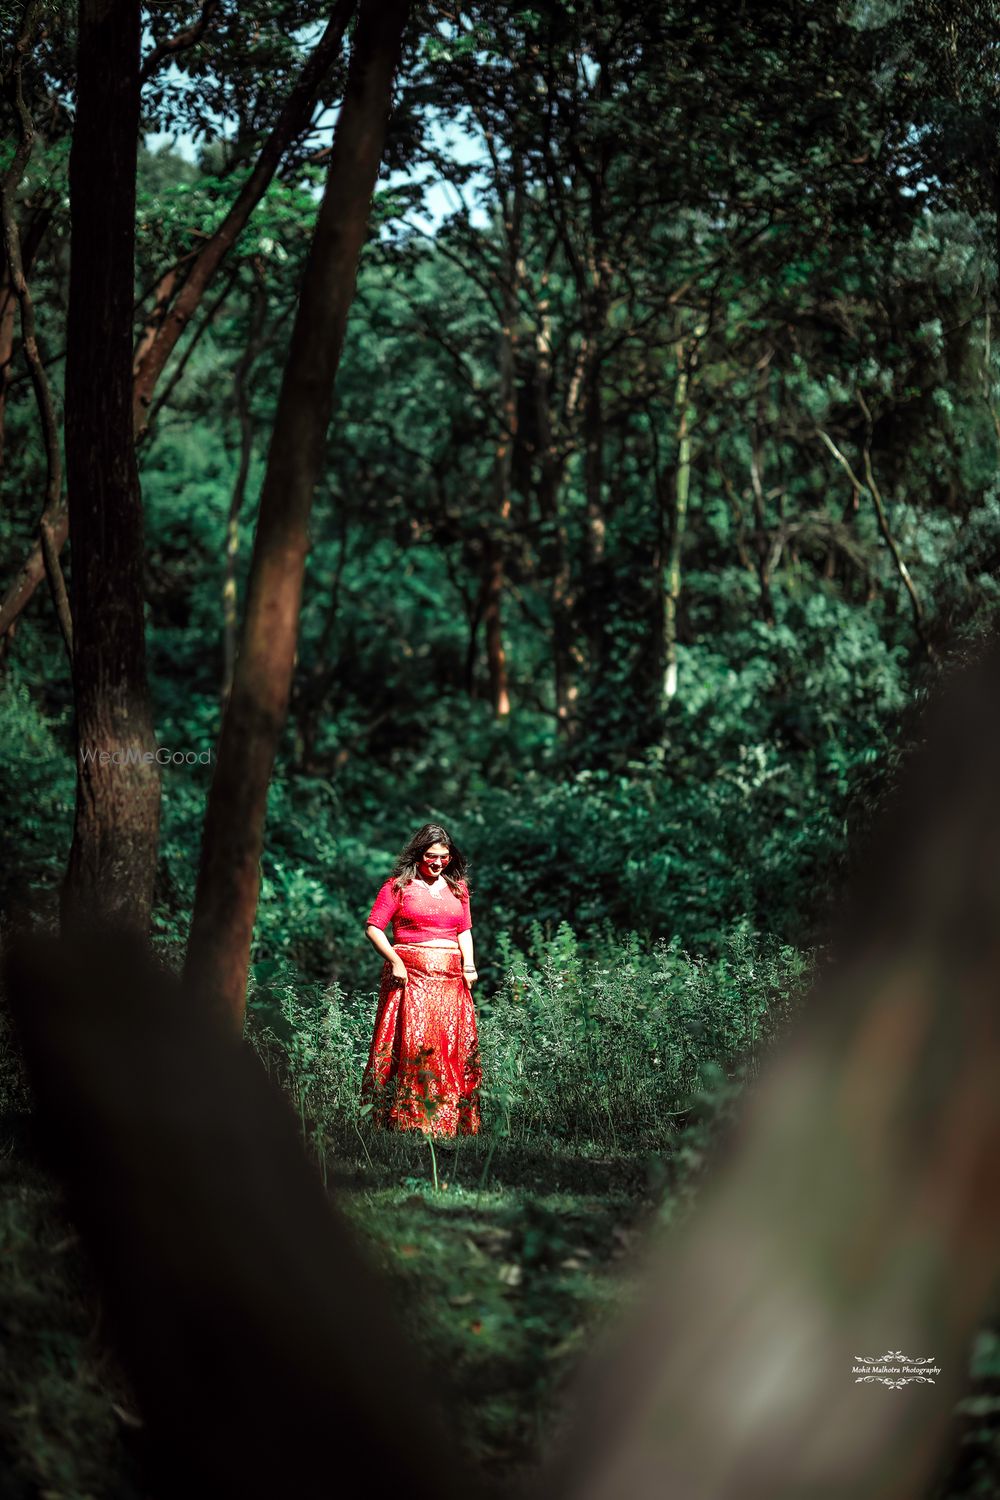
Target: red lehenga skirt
[{"x": 423, "y": 1070}]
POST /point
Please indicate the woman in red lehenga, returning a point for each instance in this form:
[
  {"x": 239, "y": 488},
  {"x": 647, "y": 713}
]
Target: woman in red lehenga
[{"x": 423, "y": 1070}]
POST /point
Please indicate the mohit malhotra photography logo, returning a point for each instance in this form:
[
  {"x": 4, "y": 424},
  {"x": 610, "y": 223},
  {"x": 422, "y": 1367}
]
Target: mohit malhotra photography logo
[
  {"x": 894, "y": 1370},
  {"x": 136, "y": 757}
]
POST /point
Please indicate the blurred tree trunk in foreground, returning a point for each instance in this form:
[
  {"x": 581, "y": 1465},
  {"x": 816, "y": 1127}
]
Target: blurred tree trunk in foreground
[
  {"x": 229, "y": 875},
  {"x": 853, "y": 1215},
  {"x": 856, "y": 1212},
  {"x": 112, "y": 862},
  {"x": 263, "y": 1350}
]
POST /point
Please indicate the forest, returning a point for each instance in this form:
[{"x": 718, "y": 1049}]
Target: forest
[{"x": 576, "y": 427}]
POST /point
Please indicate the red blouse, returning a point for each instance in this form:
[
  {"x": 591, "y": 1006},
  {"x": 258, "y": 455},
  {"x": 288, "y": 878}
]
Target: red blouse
[{"x": 421, "y": 913}]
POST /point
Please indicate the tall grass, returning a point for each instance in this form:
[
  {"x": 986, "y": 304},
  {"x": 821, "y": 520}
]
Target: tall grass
[{"x": 608, "y": 1052}]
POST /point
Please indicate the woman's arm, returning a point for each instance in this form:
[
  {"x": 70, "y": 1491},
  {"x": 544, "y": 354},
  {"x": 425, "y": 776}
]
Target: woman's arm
[
  {"x": 468, "y": 961},
  {"x": 378, "y": 940},
  {"x": 381, "y": 942},
  {"x": 384, "y": 911}
]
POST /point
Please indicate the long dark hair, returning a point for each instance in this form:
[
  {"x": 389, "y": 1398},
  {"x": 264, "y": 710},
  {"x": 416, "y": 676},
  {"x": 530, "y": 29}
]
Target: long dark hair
[{"x": 405, "y": 868}]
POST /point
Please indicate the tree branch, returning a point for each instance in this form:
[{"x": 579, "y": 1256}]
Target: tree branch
[
  {"x": 883, "y": 526},
  {"x": 50, "y": 524},
  {"x": 181, "y": 41}
]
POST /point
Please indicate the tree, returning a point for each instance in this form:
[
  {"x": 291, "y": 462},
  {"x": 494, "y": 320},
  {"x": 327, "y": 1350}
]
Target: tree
[
  {"x": 844, "y": 1212},
  {"x": 113, "y": 858},
  {"x": 180, "y": 289},
  {"x": 228, "y": 879}
]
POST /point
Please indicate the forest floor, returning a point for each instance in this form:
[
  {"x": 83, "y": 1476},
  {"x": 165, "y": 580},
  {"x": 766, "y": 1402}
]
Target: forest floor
[
  {"x": 505, "y": 1272},
  {"x": 502, "y": 1274}
]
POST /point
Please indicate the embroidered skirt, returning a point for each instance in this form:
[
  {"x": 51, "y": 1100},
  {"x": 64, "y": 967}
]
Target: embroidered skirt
[{"x": 423, "y": 1070}]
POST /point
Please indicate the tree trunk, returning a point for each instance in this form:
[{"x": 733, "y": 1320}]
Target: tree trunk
[
  {"x": 113, "y": 857},
  {"x": 229, "y": 875},
  {"x": 682, "y": 488},
  {"x": 474, "y": 617},
  {"x": 595, "y": 592},
  {"x": 165, "y": 289},
  {"x": 664, "y": 486},
  {"x": 240, "y": 379},
  {"x": 32, "y": 570},
  {"x": 736, "y": 512},
  {"x": 496, "y": 656},
  {"x": 503, "y": 460},
  {"x": 8, "y": 322},
  {"x": 550, "y": 463},
  {"x": 262, "y": 1344},
  {"x": 887, "y": 536},
  {"x": 595, "y": 293},
  {"x": 762, "y": 545},
  {"x": 854, "y": 1211}
]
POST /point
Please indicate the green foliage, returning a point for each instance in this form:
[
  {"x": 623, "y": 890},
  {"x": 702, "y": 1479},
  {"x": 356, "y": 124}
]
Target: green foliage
[
  {"x": 605, "y": 1051},
  {"x": 312, "y": 1041},
  {"x": 735, "y": 800},
  {"x": 800, "y": 202},
  {"x": 63, "y": 1398},
  {"x": 612, "y": 1051},
  {"x": 36, "y": 793}
]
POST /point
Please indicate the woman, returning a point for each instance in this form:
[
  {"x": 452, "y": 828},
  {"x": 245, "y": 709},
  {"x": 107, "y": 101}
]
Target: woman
[{"x": 423, "y": 1068}]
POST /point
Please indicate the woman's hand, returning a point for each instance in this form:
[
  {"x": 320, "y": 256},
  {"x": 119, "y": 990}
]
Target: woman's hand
[
  {"x": 470, "y": 976},
  {"x": 399, "y": 970}
]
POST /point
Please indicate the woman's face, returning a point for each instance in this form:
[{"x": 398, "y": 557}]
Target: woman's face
[{"x": 433, "y": 860}]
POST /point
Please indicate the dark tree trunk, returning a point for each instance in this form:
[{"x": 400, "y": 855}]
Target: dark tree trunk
[
  {"x": 663, "y": 488},
  {"x": 762, "y": 540},
  {"x": 113, "y": 857},
  {"x": 595, "y": 292},
  {"x": 474, "y": 618},
  {"x": 245, "y": 420},
  {"x": 595, "y": 590},
  {"x": 229, "y": 875},
  {"x": 687, "y": 354},
  {"x": 310, "y": 696},
  {"x": 262, "y": 1344},
  {"x": 496, "y": 656},
  {"x": 8, "y": 325},
  {"x": 551, "y": 464},
  {"x": 856, "y": 1202}
]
